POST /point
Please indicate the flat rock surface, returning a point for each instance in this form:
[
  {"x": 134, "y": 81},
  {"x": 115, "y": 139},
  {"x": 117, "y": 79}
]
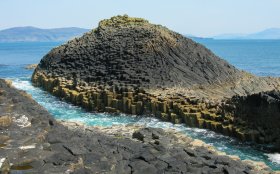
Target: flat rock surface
[{"x": 33, "y": 142}]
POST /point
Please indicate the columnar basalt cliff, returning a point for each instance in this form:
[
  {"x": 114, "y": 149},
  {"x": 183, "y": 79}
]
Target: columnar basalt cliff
[
  {"x": 261, "y": 111},
  {"x": 129, "y": 65},
  {"x": 131, "y": 51}
]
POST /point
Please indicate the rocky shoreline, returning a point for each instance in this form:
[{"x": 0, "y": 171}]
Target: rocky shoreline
[{"x": 33, "y": 142}]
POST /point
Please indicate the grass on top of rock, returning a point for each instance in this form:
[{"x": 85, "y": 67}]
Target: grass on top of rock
[{"x": 124, "y": 20}]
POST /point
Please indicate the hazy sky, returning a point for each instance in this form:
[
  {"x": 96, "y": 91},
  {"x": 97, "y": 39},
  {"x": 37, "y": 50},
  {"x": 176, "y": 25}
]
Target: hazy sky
[{"x": 197, "y": 17}]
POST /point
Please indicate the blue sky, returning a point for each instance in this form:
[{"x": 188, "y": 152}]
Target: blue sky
[{"x": 197, "y": 17}]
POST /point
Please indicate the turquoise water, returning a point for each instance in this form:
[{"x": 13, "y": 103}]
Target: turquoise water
[{"x": 13, "y": 58}]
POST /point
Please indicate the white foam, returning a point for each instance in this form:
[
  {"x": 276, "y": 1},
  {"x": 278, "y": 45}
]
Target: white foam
[
  {"x": 2, "y": 161},
  {"x": 275, "y": 158},
  {"x": 79, "y": 119},
  {"x": 23, "y": 85},
  {"x": 22, "y": 121},
  {"x": 27, "y": 147}
]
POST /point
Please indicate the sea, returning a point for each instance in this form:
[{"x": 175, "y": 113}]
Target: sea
[{"x": 260, "y": 57}]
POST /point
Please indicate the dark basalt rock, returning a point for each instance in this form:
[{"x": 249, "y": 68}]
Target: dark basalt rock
[
  {"x": 124, "y": 50},
  {"x": 261, "y": 112},
  {"x": 261, "y": 108}
]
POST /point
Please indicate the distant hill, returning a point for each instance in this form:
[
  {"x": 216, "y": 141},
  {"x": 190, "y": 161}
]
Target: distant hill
[
  {"x": 272, "y": 33},
  {"x": 197, "y": 38},
  {"x": 32, "y": 34}
]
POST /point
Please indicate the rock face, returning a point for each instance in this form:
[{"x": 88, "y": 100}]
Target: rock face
[
  {"x": 262, "y": 108},
  {"x": 124, "y": 50},
  {"x": 261, "y": 111},
  {"x": 48, "y": 146}
]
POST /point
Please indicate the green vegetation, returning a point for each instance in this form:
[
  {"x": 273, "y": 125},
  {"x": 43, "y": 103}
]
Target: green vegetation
[{"x": 124, "y": 20}]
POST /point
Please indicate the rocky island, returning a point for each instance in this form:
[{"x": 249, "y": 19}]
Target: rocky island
[{"x": 131, "y": 66}]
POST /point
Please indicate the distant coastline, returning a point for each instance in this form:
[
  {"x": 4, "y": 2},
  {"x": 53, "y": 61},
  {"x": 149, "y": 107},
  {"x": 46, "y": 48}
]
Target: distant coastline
[
  {"x": 268, "y": 34},
  {"x": 33, "y": 34}
]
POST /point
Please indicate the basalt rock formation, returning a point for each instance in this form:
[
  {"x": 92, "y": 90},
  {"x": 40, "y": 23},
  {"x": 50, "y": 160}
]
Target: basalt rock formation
[
  {"x": 129, "y": 65},
  {"x": 262, "y": 108},
  {"x": 132, "y": 51},
  {"x": 32, "y": 141},
  {"x": 262, "y": 111}
]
